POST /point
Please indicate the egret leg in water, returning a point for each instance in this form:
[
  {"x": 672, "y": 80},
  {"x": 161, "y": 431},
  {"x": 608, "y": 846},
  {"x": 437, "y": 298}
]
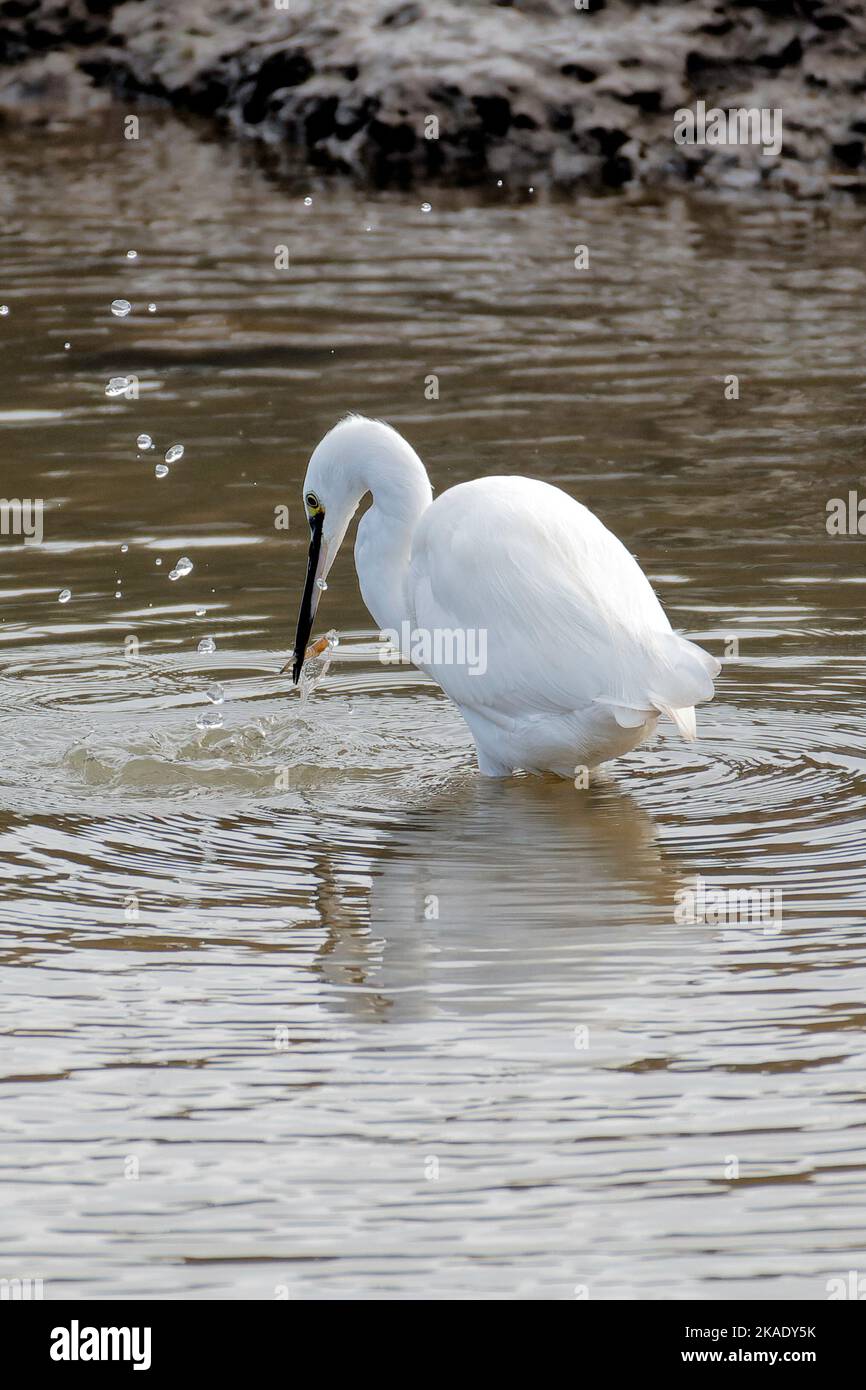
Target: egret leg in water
[{"x": 579, "y": 658}]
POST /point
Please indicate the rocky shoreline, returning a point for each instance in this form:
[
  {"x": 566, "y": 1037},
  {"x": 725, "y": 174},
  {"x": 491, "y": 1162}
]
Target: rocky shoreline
[{"x": 403, "y": 91}]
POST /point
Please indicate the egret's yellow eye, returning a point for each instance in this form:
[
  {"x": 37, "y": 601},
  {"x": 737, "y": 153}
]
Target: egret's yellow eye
[{"x": 312, "y": 502}]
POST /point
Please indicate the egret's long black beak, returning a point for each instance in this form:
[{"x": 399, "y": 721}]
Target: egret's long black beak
[{"x": 310, "y": 599}]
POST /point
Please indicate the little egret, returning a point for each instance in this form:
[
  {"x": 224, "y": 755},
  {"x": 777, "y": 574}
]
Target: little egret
[{"x": 580, "y": 659}]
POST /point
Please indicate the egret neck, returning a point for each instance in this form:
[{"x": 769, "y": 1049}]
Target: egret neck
[{"x": 401, "y": 494}]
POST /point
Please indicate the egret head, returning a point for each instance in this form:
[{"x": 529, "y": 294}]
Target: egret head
[
  {"x": 356, "y": 457},
  {"x": 332, "y": 492}
]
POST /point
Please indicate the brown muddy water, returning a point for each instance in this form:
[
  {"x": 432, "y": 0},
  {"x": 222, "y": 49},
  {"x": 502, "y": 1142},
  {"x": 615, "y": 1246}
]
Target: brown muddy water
[{"x": 298, "y": 1003}]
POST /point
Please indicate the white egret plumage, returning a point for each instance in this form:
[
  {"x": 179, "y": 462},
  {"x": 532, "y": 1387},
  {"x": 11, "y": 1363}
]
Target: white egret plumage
[{"x": 581, "y": 659}]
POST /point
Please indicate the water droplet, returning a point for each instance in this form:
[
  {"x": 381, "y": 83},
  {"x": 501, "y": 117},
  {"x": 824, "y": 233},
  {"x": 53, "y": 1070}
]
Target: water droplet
[
  {"x": 426, "y": 207},
  {"x": 120, "y": 308},
  {"x": 216, "y": 694},
  {"x": 123, "y": 549},
  {"x": 498, "y": 183},
  {"x": 308, "y": 202},
  {"x": 322, "y": 584},
  {"x": 151, "y": 308},
  {"x": 158, "y": 562},
  {"x": 64, "y": 596},
  {"x": 4, "y": 310},
  {"x": 117, "y": 385},
  {"x": 66, "y": 347},
  {"x": 117, "y": 593},
  {"x": 144, "y": 441},
  {"x": 183, "y": 566},
  {"x": 200, "y": 612},
  {"x": 206, "y": 646},
  {"x": 209, "y": 719},
  {"x": 160, "y": 470},
  {"x": 174, "y": 453},
  {"x": 132, "y": 255}
]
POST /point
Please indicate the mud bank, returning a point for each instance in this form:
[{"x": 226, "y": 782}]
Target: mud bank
[{"x": 412, "y": 90}]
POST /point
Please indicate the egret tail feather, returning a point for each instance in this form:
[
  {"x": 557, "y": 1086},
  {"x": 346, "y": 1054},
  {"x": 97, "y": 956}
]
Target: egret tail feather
[{"x": 683, "y": 718}]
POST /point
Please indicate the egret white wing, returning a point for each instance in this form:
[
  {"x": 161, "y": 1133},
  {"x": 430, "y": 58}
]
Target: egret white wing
[{"x": 569, "y": 616}]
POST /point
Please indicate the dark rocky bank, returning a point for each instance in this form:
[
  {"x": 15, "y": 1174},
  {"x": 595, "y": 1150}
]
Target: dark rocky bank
[{"x": 536, "y": 92}]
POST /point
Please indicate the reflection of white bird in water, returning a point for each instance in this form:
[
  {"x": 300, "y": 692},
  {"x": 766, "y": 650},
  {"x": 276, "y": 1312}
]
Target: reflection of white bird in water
[{"x": 580, "y": 657}]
